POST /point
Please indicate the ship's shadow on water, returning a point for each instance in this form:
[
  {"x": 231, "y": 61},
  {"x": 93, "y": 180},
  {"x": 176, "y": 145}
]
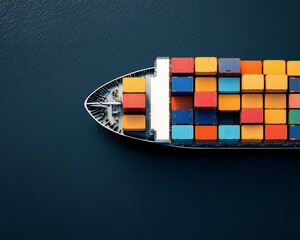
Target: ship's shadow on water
[{"x": 231, "y": 155}]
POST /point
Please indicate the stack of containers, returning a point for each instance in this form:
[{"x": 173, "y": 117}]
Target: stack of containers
[
  {"x": 205, "y": 99},
  {"x": 276, "y": 85},
  {"x": 134, "y": 104},
  {"x": 293, "y": 71},
  {"x": 182, "y": 87},
  {"x": 229, "y": 96},
  {"x": 252, "y": 115}
]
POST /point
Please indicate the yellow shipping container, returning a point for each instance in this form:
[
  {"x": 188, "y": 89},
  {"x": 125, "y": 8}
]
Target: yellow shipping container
[
  {"x": 134, "y": 85},
  {"x": 206, "y": 65},
  {"x": 252, "y": 101},
  {"x": 274, "y": 67},
  {"x": 229, "y": 102},
  {"x": 134, "y": 123},
  {"x": 275, "y": 101},
  {"x": 275, "y": 116},
  {"x": 252, "y": 133},
  {"x": 293, "y": 68},
  {"x": 205, "y": 84},
  {"x": 276, "y": 83},
  {"x": 252, "y": 83}
]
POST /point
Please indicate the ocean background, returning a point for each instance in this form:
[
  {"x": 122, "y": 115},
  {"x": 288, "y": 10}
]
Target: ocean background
[{"x": 62, "y": 176}]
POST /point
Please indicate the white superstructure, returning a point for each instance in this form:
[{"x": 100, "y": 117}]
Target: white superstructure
[{"x": 160, "y": 101}]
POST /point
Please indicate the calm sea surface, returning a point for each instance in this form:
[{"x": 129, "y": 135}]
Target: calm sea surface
[{"x": 64, "y": 177}]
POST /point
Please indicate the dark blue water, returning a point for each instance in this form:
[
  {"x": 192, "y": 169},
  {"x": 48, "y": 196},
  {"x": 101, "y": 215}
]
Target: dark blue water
[{"x": 64, "y": 177}]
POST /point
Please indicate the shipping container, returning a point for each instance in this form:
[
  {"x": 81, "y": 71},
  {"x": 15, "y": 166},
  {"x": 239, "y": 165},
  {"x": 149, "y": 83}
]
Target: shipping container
[
  {"x": 274, "y": 67},
  {"x": 251, "y": 67},
  {"x": 275, "y": 116},
  {"x": 206, "y": 65},
  {"x": 182, "y": 116},
  {"x": 134, "y": 85},
  {"x": 182, "y": 133},
  {"x": 275, "y": 101},
  {"x": 294, "y": 84},
  {"x": 229, "y": 133},
  {"x": 205, "y": 117},
  {"x": 205, "y": 84},
  {"x": 252, "y": 115},
  {"x": 182, "y": 65},
  {"x": 275, "y": 133},
  {"x": 252, "y": 133},
  {"x": 276, "y": 83},
  {"x": 294, "y": 100},
  {"x": 134, "y": 123},
  {"x": 252, "y": 83},
  {"x": 181, "y": 102},
  {"x": 293, "y": 68},
  {"x": 229, "y": 84},
  {"x": 182, "y": 85},
  {"x": 229, "y": 67},
  {"x": 294, "y": 116},
  {"x": 206, "y": 133},
  {"x": 206, "y": 100},
  {"x": 295, "y": 132},
  {"x": 229, "y": 102},
  {"x": 252, "y": 101},
  {"x": 134, "y": 102}
]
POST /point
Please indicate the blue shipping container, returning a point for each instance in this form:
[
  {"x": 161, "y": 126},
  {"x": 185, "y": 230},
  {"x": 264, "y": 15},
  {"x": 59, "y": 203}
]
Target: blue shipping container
[
  {"x": 229, "y": 66},
  {"x": 205, "y": 117},
  {"x": 295, "y": 132},
  {"x": 182, "y": 117},
  {"x": 229, "y": 133},
  {"x": 294, "y": 84},
  {"x": 182, "y": 133},
  {"x": 182, "y": 85},
  {"x": 229, "y": 85}
]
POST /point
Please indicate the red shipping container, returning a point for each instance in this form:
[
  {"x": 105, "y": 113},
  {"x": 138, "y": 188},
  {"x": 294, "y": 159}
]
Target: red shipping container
[
  {"x": 252, "y": 115},
  {"x": 182, "y": 65},
  {"x": 294, "y": 101},
  {"x": 275, "y": 133},
  {"x": 134, "y": 103},
  {"x": 181, "y": 102},
  {"x": 205, "y": 100}
]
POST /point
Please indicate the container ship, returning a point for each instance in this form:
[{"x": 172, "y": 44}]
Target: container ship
[{"x": 204, "y": 102}]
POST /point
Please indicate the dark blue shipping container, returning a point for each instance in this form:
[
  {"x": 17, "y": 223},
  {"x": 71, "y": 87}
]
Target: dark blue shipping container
[
  {"x": 182, "y": 85},
  {"x": 182, "y": 117},
  {"x": 229, "y": 66},
  {"x": 205, "y": 117},
  {"x": 294, "y": 84},
  {"x": 295, "y": 132}
]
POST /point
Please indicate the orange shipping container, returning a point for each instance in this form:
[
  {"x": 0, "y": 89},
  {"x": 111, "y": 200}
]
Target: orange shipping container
[
  {"x": 276, "y": 83},
  {"x": 294, "y": 101},
  {"x": 229, "y": 102},
  {"x": 275, "y": 101},
  {"x": 274, "y": 67},
  {"x": 181, "y": 102},
  {"x": 134, "y": 123},
  {"x": 293, "y": 68},
  {"x": 252, "y": 101},
  {"x": 251, "y": 67},
  {"x": 134, "y": 85},
  {"x": 134, "y": 103},
  {"x": 205, "y": 84},
  {"x": 252, "y": 133},
  {"x": 252, "y": 83},
  {"x": 274, "y": 133},
  {"x": 206, "y": 133},
  {"x": 275, "y": 116},
  {"x": 206, "y": 65}
]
